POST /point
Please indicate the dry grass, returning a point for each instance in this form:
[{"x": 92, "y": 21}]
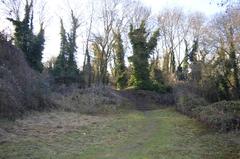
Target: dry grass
[
  {"x": 46, "y": 125},
  {"x": 135, "y": 135},
  {"x": 91, "y": 101}
]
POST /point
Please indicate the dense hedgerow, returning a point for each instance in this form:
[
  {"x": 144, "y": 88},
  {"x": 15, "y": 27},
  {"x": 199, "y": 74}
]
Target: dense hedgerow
[
  {"x": 222, "y": 116},
  {"x": 187, "y": 104}
]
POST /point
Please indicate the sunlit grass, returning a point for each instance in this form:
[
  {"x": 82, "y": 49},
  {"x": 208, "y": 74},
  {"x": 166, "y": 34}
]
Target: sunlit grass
[{"x": 161, "y": 134}]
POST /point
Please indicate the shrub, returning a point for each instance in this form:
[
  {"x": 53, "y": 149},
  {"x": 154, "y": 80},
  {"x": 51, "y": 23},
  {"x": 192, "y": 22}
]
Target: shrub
[
  {"x": 188, "y": 103},
  {"x": 21, "y": 88},
  {"x": 148, "y": 99},
  {"x": 98, "y": 100},
  {"x": 224, "y": 115},
  {"x": 160, "y": 88}
]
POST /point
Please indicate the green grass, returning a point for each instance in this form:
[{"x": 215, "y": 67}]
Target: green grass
[{"x": 161, "y": 134}]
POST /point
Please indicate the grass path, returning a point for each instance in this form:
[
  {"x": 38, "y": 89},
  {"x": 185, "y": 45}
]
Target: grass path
[{"x": 161, "y": 134}]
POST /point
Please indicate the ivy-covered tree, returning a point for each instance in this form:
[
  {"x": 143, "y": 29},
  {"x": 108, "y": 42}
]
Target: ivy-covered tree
[
  {"x": 99, "y": 65},
  {"x": 166, "y": 60},
  {"x": 222, "y": 74},
  {"x": 172, "y": 61},
  {"x": 60, "y": 66},
  {"x": 182, "y": 69},
  {"x": 185, "y": 62},
  {"x": 65, "y": 68},
  {"x": 87, "y": 67},
  {"x": 156, "y": 75},
  {"x": 233, "y": 64},
  {"x": 32, "y": 45},
  {"x": 142, "y": 49},
  {"x": 120, "y": 68},
  {"x": 37, "y": 50},
  {"x": 193, "y": 53},
  {"x": 72, "y": 69},
  {"x": 195, "y": 64}
]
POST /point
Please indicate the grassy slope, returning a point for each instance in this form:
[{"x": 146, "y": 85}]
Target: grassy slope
[{"x": 161, "y": 134}]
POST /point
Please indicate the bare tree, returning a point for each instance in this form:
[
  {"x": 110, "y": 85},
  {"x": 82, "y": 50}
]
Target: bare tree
[
  {"x": 225, "y": 36},
  {"x": 173, "y": 29},
  {"x": 112, "y": 18},
  {"x": 12, "y": 8},
  {"x": 87, "y": 68},
  {"x": 138, "y": 13}
]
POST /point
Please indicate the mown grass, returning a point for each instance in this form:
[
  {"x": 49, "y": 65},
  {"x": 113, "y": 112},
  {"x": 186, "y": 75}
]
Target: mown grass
[{"x": 161, "y": 134}]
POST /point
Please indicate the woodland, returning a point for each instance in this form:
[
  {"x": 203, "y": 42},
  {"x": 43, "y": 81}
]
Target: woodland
[{"x": 163, "y": 85}]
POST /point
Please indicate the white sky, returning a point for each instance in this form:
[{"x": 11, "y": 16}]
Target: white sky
[
  {"x": 58, "y": 8},
  {"x": 188, "y": 5}
]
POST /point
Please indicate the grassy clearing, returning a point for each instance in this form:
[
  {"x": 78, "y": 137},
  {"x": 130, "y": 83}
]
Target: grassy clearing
[{"x": 163, "y": 134}]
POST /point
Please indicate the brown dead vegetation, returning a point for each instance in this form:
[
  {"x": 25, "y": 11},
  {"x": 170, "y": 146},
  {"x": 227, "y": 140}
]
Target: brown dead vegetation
[
  {"x": 21, "y": 88},
  {"x": 46, "y": 125},
  {"x": 95, "y": 100},
  {"x": 148, "y": 100}
]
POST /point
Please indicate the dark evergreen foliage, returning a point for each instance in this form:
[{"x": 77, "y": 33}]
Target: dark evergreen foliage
[
  {"x": 120, "y": 68},
  {"x": 233, "y": 64},
  {"x": 65, "y": 69},
  {"x": 24, "y": 38},
  {"x": 142, "y": 50},
  {"x": 185, "y": 64},
  {"x": 192, "y": 54},
  {"x": 60, "y": 66},
  {"x": 72, "y": 69}
]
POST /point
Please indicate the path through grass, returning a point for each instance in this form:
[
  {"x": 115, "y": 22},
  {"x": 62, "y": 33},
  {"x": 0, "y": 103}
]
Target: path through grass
[{"x": 161, "y": 134}]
